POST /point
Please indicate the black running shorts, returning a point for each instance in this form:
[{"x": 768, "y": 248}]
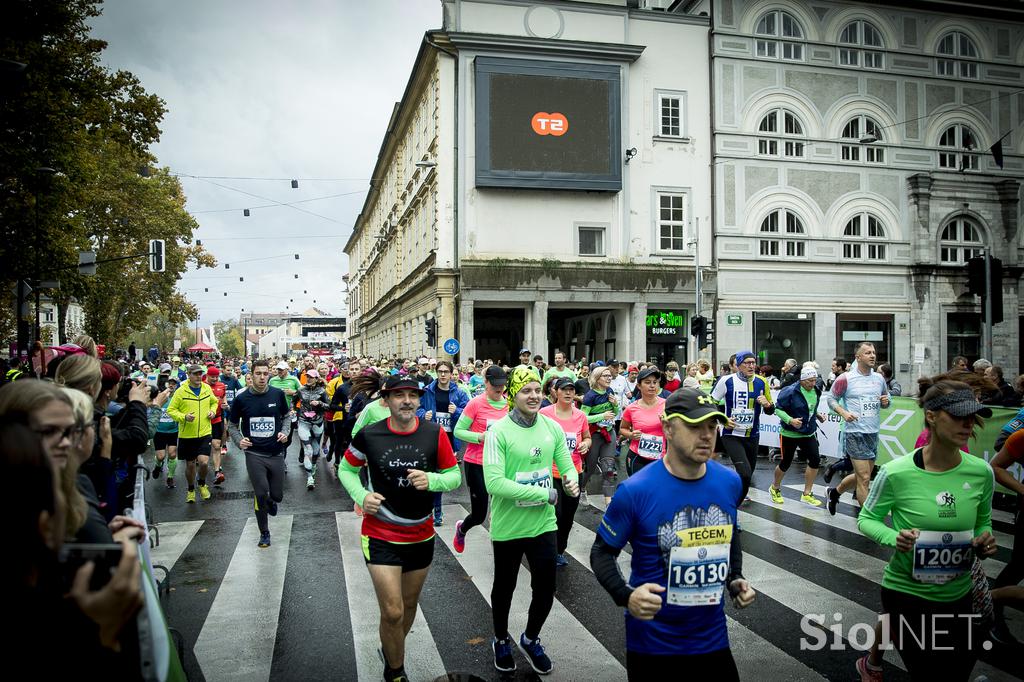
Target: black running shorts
[{"x": 411, "y": 556}]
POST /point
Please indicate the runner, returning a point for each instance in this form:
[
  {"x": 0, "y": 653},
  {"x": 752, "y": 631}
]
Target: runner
[
  {"x": 524, "y": 359},
  {"x": 746, "y": 395},
  {"x": 1011, "y": 452},
  {"x": 480, "y": 415},
  {"x": 313, "y": 402},
  {"x": 518, "y": 456},
  {"x": 680, "y": 518},
  {"x": 601, "y": 406},
  {"x": 641, "y": 423},
  {"x": 442, "y": 403},
  {"x": 194, "y": 406},
  {"x": 218, "y": 424},
  {"x": 797, "y": 409},
  {"x": 262, "y": 411},
  {"x": 577, "y": 442},
  {"x": 559, "y": 369},
  {"x": 407, "y": 461},
  {"x": 476, "y": 380},
  {"x": 338, "y": 390},
  {"x": 165, "y": 440},
  {"x": 233, "y": 386},
  {"x": 290, "y": 385},
  {"x": 940, "y": 501},
  {"x": 858, "y": 396}
]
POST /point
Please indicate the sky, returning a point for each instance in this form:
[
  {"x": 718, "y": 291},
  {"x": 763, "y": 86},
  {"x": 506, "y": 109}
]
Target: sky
[{"x": 270, "y": 91}]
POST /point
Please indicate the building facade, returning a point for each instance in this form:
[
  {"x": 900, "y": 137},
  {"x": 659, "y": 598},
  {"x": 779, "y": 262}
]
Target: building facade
[
  {"x": 853, "y": 178},
  {"x": 562, "y": 199}
]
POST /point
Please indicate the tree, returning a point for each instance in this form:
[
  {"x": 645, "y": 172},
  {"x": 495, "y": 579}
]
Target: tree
[{"x": 230, "y": 343}]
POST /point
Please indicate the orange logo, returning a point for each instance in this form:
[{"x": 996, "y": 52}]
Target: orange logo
[{"x": 549, "y": 124}]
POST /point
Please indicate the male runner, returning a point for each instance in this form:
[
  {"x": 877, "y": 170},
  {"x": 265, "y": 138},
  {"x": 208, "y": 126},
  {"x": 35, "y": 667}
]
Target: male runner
[
  {"x": 746, "y": 395},
  {"x": 518, "y": 453},
  {"x": 194, "y": 406},
  {"x": 217, "y": 424},
  {"x": 259, "y": 427},
  {"x": 559, "y": 370},
  {"x": 679, "y": 516},
  {"x": 407, "y": 460},
  {"x": 858, "y": 396},
  {"x": 797, "y": 409},
  {"x": 290, "y": 385}
]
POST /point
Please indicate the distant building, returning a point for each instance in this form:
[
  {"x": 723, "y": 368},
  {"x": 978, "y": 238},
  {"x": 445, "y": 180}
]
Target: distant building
[
  {"x": 74, "y": 320},
  {"x": 297, "y": 334}
]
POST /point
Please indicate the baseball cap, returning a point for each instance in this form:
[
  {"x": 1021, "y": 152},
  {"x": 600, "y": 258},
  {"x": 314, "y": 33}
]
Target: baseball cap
[
  {"x": 495, "y": 376},
  {"x": 565, "y": 382},
  {"x": 648, "y": 372},
  {"x": 282, "y": 365},
  {"x": 597, "y": 363},
  {"x": 212, "y": 372},
  {"x": 312, "y": 374},
  {"x": 693, "y": 406},
  {"x": 960, "y": 403},
  {"x": 524, "y": 350},
  {"x": 192, "y": 369},
  {"x": 397, "y": 382},
  {"x": 632, "y": 368},
  {"x": 808, "y": 373},
  {"x": 165, "y": 367}
]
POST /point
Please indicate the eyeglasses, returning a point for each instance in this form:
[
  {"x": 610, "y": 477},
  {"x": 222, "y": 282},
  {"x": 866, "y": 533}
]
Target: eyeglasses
[{"x": 55, "y": 434}]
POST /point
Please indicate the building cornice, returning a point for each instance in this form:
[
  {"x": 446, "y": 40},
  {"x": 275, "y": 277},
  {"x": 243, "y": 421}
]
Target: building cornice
[{"x": 520, "y": 45}]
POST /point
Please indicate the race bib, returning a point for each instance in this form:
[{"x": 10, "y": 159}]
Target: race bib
[
  {"x": 261, "y": 427},
  {"x": 699, "y": 567},
  {"x": 744, "y": 418},
  {"x": 444, "y": 420},
  {"x": 650, "y": 446},
  {"x": 229, "y": 395},
  {"x": 606, "y": 423},
  {"x": 941, "y": 556},
  {"x": 309, "y": 414},
  {"x": 869, "y": 408},
  {"x": 540, "y": 478},
  {"x": 571, "y": 442},
  {"x": 166, "y": 418}
]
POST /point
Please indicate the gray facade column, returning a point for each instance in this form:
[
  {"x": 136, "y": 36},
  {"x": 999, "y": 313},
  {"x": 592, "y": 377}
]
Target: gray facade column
[
  {"x": 539, "y": 329},
  {"x": 466, "y": 338},
  {"x": 638, "y": 332}
]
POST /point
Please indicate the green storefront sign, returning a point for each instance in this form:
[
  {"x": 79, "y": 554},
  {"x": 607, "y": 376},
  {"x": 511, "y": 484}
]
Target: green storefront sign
[{"x": 666, "y": 324}]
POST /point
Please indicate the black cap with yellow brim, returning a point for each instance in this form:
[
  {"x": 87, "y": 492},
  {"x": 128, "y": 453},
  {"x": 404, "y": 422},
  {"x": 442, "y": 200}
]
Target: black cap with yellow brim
[{"x": 693, "y": 406}]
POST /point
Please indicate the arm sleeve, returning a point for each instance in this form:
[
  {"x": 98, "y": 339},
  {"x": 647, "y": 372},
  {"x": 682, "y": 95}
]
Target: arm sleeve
[
  {"x": 735, "y": 556},
  {"x": 587, "y": 406},
  {"x": 603, "y": 560},
  {"x": 426, "y": 400},
  {"x": 718, "y": 392},
  {"x": 877, "y": 506},
  {"x": 562, "y": 456},
  {"x": 837, "y": 393},
  {"x": 783, "y": 415},
  {"x": 174, "y": 409},
  {"x": 462, "y": 431},
  {"x": 133, "y": 435},
  {"x": 983, "y": 521},
  {"x": 461, "y": 400},
  {"x": 494, "y": 474},
  {"x": 348, "y": 474},
  {"x": 770, "y": 407},
  {"x": 286, "y": 422},
  {"x": 449, "y": 477}
]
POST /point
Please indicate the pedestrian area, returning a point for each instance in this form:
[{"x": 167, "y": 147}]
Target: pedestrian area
[{"x": 304, "y": 608}]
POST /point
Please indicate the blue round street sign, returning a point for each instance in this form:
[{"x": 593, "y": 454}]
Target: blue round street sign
[{"x": 451, "y": 346}]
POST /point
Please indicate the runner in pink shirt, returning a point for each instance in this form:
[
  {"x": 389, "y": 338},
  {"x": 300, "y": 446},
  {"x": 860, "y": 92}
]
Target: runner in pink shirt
[
  {"x": 480, "y": 413},
  {"x": 573, "y": 423},
  {"x": 641, "y": 423}
]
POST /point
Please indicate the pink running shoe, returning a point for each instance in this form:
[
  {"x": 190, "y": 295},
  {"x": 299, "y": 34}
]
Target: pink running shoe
[{"x": 459, "y": 542}]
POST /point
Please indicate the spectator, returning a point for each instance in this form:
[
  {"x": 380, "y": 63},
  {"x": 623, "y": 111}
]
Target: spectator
[
  {"x": 691, "y": 380},
  {"x": 885, "y": 369},
  {"x": 959, "y": 364},
  {"x": 790, "y": 372},
  {"x": 839, "y": 366},
  {"x": 705, "y": 376},
  {"x": 768, "y": 372},
  {"x": 82, "y": 373},
  {"x": 1005, "y": 395},
  {"x": 86, "y": 343},
  {"x": 671, "y": 382},
  {"x": 980, "y": 365}
]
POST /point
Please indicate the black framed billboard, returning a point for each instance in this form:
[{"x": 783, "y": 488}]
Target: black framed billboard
[{"x": 548, "y": 125}]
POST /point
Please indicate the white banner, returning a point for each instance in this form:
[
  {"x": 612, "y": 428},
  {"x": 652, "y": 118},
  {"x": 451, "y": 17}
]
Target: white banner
[{"x": 828, "y": 431}]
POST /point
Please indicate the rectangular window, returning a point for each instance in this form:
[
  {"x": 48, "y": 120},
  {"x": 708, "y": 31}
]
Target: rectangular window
[
  {"x": 591, "y": 241},
  {"x": 848, "y": 57},
  {"x": 769, "y": 247},
  {"x": 768, "y": 147},
  {"x": 963, "y": 336},
  {"x": 795, "y": 249},
  {"x": 792, "y": 51},
  {"x": 876, "y": 251},
  {"x": 851, "y": 250},
  {"x": 671, "y": 114},
  {"x": 852, "y": 328},
  {"x": 946, "y": 67},
  {"x": 765, "y": 48},
  {"x": 851, "y": 153},
  {"x": 671, "y": 222},
  {"x": 873, "y": 60},
  {"x": 874, "y": 155},
  {"x": 794, "y": 149}
]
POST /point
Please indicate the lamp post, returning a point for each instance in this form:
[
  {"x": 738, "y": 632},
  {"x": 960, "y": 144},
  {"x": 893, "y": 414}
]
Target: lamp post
[{"x": 38, "y": 260}]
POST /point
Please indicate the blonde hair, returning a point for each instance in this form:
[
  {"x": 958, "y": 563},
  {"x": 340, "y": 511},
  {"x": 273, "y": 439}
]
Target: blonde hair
[
  {"x": 596, "y": 374},
  {"x": 80, "y": 372},
  {"x": 77, "y": 509},
  {"x": 86, "y": 343}
]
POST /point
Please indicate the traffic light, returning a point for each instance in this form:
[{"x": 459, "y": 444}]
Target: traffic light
[
  {"x": 430, "y": 326},
  {"x": 156, "y": 255},
  {"x": 707, "y": 337},
  {"x": 976, "y": 284},
  {"x": 697, "y": 325}
]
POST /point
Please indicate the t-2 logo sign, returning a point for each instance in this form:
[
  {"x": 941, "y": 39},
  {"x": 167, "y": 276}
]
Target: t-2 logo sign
[{"x": 549, "y": 124}]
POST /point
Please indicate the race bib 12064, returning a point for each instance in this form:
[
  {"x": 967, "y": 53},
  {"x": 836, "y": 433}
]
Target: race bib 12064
[{"x": 941, "y": 556}]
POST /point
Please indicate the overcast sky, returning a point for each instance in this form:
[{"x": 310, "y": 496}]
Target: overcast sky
[{"x": 261, "y": 89}]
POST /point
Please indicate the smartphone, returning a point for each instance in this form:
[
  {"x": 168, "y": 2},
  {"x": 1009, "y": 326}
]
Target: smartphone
[{"x": 75, "y": 555}]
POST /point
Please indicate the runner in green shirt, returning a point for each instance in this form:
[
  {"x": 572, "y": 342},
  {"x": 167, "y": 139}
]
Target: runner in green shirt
[
  {"x": 559, "y": 370},
  {"x": 797, "y": 409},
  {"x": 290, "y": 385},
  {"x": 518, "y": 453}
]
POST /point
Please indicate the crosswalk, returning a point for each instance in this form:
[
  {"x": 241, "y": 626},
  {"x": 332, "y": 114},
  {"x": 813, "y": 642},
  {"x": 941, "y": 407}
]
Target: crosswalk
[{"x": 305, "y": 608}]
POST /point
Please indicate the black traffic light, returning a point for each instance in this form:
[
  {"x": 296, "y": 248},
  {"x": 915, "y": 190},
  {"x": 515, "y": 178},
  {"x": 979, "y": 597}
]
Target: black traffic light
[
  {"x": 430, "y": 326},
  {"x": 697, "y": 325},
  {"x": 976, "y": 284}
]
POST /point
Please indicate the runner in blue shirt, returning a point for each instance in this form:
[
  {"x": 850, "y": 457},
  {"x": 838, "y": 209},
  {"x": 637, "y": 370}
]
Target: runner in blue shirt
[{"x": 679, "y": 516}]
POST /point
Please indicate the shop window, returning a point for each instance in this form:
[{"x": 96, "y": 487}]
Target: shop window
[
  {"x": 861, "y": 43},
  {"x": 955, "y": 144},
  {"x": 960, "y": 240},
  {"x": 778, "y": 336},
  {"x": 782, "y": 138},
  {"x": 776, "y": 31},
  {"x": 963, "y": 337},
  {"x": 867, "y": 237},
  {"x": 859, "y": 134},
  {"x": 954, "y": 50},
  {"x": 852, "y": 329}
]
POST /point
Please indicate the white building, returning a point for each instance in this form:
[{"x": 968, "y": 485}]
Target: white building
[
  {"x": 74, "y": 321},
  {"x": 561, "y": 192}
]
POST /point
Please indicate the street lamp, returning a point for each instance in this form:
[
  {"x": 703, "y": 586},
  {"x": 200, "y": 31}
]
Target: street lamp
[{"x": 42, "y": 171}]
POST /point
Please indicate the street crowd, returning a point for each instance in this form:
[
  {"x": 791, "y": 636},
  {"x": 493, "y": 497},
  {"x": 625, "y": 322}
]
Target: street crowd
[{"x": 670, "y": 451}]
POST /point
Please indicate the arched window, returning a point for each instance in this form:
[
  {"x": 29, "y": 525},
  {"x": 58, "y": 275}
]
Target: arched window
[
  {"x": 961, "y": 240},
  {"x": 954, "y": 49},
  {"x": 790, "y": 127},
  {"x": 960, "y": 139},
  {"x": 858, "y": 134},
  {"x": 780, "y": 235},
  {"x": 779, "y": 28},
  {"x": 866, "y": 42},
  {"x": 866, "y": 237}
]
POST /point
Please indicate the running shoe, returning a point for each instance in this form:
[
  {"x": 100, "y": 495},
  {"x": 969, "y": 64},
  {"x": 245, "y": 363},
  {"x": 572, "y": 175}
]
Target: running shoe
[
  {"x": 833, "y": 501},
  {"x": 503, "y": 660},
  {"x": 272, "y": 508},
  {"x": 219, "y": 478},
  {"x": 866, "y": 673},
  {"x": 157, "y": 470},
  {"x": 204, "y": 492},
  {"x": 170, "y": 482},
  {"x": 776, "y": 494},
  {"x": 539, "y": 660},
  {"x": 811, "y": 500},
  {"x": 190, "y": 496},
  {"x": 310, "y": 483},
  {"x": 459, "y": 541},
  {"x": 438, "y": 518},
  {"x": 264, "y": 539},
  {"x": 395, "y": 675},
  {"x": 561, "y": 561},
  {"x": 308, "y": 465}
]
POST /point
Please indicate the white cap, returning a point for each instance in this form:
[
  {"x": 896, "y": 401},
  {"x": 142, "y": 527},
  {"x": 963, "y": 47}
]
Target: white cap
[
  {"x": 808, "y": 373},
  {"x": 282, "y": 365}
]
